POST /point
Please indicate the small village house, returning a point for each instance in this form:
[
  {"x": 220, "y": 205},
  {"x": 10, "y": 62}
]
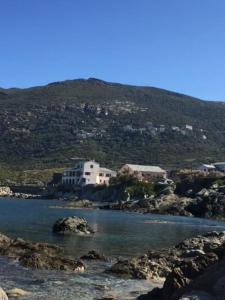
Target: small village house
[
  {"x": 143, "y": 173},
  {"x": 218, "y": 166},
  {"x": 87, "y": 173},
  {"x": 207, "y": 168},
  {"x": 189, "y": 127}
]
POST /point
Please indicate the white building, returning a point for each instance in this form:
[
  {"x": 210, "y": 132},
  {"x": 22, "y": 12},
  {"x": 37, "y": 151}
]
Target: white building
[
  {"x": 175, "y": 128},
  {"x": 143, "y": 173},
  {"x": 206, "y": 168},
  {"x": 87, "y": 172},
  {"x": 220, "y": 166},
  {"x": 188, "y": 127},
  {"x": 162, "y": 128}
]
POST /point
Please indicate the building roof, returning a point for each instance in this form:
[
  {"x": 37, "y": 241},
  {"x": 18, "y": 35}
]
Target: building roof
[
  {"x": 208, "y": 166},
  {"x": 105, "y": 170},
  {"x": 143, "y": 168},
  {"x": 219, "y": 163}
]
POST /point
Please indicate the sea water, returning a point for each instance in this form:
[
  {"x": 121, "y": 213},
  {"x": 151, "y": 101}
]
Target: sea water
[{"x": 118, "y": 234}]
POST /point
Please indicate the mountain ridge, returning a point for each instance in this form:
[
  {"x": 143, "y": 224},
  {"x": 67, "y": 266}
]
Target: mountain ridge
[
  {"x": 114, "y": 123},
  {"x": 109, "y": 83}
]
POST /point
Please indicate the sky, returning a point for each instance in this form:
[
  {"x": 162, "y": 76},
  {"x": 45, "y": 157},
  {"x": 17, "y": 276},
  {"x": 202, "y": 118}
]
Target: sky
[{"x": 178, "y": 45}]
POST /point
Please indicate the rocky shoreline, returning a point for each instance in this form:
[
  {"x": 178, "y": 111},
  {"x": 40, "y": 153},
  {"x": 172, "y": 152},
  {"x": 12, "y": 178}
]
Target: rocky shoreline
[
  {"x": 6, "y": 191},
  {"x": 206, "y": 203},
  {"x": 38, "y": 255},
  {"x": 186, "y": 269},
  {"x": 193, "y": 268}
]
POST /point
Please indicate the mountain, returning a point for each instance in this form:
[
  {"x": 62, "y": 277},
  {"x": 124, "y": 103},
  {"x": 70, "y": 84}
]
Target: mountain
[{"x": 47, "y": 126}]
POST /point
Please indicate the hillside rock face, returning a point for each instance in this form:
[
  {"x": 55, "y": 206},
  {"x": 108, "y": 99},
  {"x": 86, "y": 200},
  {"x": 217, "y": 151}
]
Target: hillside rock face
[
  {"x": 38, "y": 255},
  {"x": 121, "y": 121},
  {"x": 72, "y": 225}
]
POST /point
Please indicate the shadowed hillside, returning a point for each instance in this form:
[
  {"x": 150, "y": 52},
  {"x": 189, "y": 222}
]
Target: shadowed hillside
[{"x": 112, "y": 123}]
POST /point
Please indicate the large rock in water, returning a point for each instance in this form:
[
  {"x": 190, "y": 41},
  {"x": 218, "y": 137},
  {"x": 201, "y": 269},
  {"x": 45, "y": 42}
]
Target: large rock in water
[
  {"x": 48, "y": 262},
  {"x": 72, "y": 225},
  {"x": 38, "y": 255}
]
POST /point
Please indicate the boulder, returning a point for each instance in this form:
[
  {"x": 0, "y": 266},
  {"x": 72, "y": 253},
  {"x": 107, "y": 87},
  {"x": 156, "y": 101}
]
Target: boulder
[
  {"x": 5, "y": 191},
  {"x": 38, "y": 255},
  {"x": 3, "y": 295},
  {"x": 18, "y": 247},
  {"x": 134, "y": 268},
  {"x": 15, "y": 293},
  {"x": 72, "y": 225},
  {"x": 4, "y": 240},
  {"x": 44, "y": 261},
  {"x": 195, "y": 269},
  {"x": 94, "y": 255},
  {"x": 168, "y": 190}
]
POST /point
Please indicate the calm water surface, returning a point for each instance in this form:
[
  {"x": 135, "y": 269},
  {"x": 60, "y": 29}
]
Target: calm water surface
[{"x": 118, "y": 234}]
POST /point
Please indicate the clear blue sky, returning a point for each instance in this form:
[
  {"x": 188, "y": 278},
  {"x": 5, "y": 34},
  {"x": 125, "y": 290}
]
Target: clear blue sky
[{"x": 174, "y": 44}]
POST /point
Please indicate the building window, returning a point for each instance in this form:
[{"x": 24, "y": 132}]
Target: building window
[
  {"x": 84, "y": 180},
  {"x": 107, "y": 175},
  {"x": 87, "y": 173},
  {"x": 101, "y": 174},
  {"x": 91, "y": 166}
]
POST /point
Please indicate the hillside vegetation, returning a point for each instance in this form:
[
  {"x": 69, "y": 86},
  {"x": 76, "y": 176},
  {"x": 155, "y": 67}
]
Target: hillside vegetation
[{"x": 44, "y": 127}]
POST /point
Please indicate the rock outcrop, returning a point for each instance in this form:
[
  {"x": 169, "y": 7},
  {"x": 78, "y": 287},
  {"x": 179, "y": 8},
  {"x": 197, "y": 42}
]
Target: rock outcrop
[
  {"x": 5, "y": 191},
  {"x": 38, "y": 255},
  {"x": 72, "y": 225},
  {"x": 178, "y": 267},
  {"x": 94, "y": 255},
  {"x": 16, "y": 293},
  {"x": 194, "y": 267},
  {"x": 206, "y": 203},
  {"x": 3, "y": 295}
]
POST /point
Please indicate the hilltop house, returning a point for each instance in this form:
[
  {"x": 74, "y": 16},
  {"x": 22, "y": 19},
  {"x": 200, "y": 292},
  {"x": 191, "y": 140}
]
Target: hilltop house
[
  {"x": 218, "y": 166},
  {"x": 207, "y": 168},
  {"x": 87, "y": 172},
  {"x": 189, "y": 127},
  {"x": 143, "y": 173}
]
